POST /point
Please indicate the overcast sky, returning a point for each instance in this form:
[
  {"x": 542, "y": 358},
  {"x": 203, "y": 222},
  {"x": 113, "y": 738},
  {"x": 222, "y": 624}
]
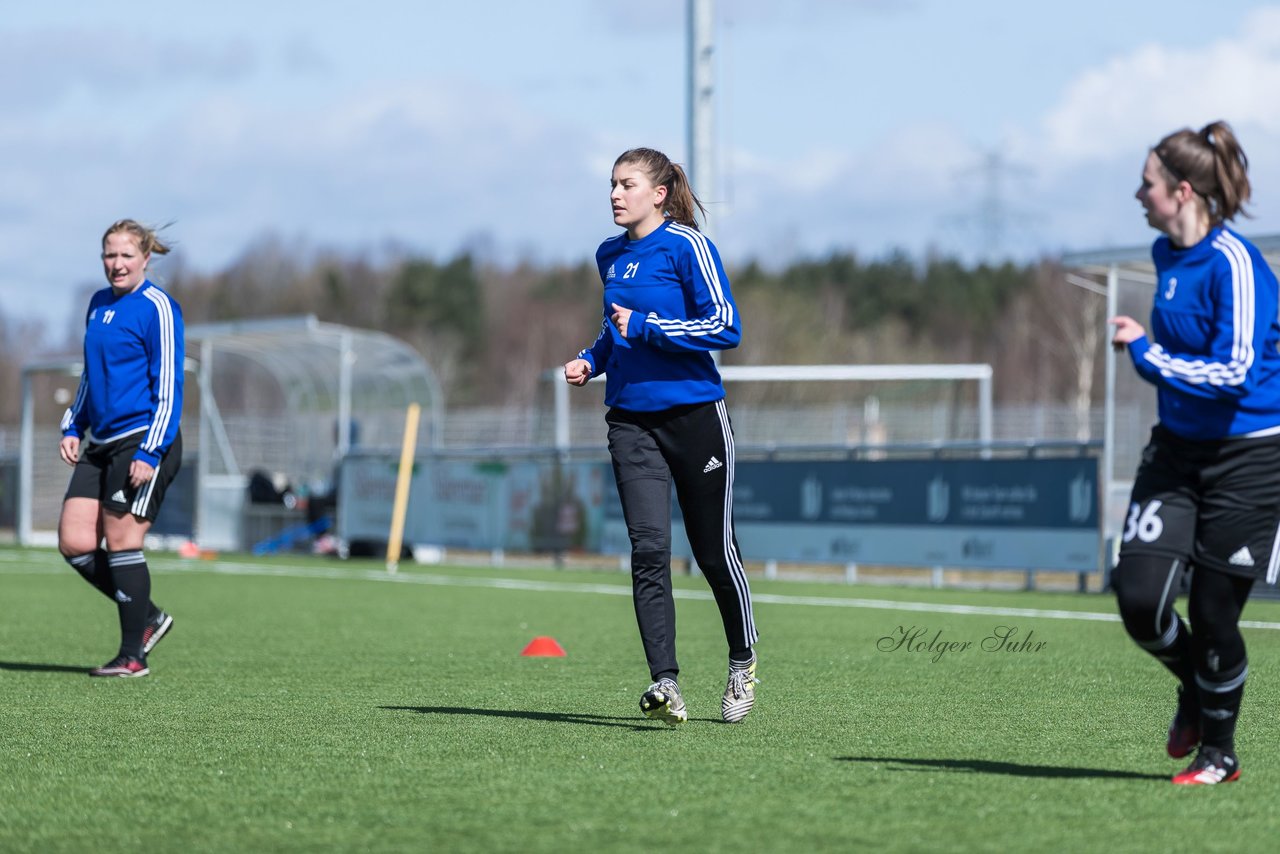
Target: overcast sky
[{"x": 850, "y": 125}]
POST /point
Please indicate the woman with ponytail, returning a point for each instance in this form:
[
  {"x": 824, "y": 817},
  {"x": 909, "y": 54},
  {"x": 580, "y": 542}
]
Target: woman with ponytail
[
  {"x": 667, "y": 305},
  {"x": 1206, "y": 499},
  {"x": 122, "y": 439}
]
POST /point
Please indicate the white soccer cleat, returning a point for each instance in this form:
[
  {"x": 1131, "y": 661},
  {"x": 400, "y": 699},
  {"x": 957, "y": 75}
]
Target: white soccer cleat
[
  {"x": 662, "y": 702},
  {"x": 740, "y": 692}
]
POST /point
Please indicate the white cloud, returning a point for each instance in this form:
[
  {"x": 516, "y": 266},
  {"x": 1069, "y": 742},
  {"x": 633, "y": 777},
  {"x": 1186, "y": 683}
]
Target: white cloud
[
  {"x": 911, "y": 189},
  {"x": 40, "y": 70},
  {"x": 432, "y": 166},
  {"x": 1133, "y": 100},
  {"x": 214, "y": 138}
]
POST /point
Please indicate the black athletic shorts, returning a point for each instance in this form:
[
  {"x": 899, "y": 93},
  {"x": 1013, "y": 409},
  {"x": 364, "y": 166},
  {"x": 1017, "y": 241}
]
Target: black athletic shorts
[
  {"x": 1214, "y": 503},
  {"x": 103, "y": 475}
]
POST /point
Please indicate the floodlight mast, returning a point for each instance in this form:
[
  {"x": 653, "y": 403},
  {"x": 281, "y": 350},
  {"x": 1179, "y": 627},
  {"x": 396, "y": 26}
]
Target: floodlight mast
[
  {"x": 701, "y": 79},
  {"x": 701, "y": 88}
]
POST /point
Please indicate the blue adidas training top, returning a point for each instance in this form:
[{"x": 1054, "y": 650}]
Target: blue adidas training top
[
  {"x": 673, "y": 280},
  {"x": 1212, "y": 354},
  {"x": 133, "y": 355}
]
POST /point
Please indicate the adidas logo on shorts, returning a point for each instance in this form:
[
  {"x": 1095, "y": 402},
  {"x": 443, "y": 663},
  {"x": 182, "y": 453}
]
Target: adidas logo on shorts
[
  {"x": 714, "y": 464},
  {"x": 1241, "y": 557},
  {"x": 119, "y": 496}
]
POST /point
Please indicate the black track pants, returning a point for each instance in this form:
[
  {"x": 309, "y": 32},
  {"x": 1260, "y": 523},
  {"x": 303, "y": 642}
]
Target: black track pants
[{"x": 691, "y": 446}]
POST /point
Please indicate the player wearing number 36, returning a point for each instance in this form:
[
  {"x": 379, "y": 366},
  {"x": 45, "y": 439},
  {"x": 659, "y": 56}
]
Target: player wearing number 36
[{"x": 1206, "y": 499}]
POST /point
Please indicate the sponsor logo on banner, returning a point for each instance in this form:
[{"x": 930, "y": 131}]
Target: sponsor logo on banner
[
  {"x": 1080, "y": 498},
  {"x": 938, "y": 500},
  {"x": 811, "y": 497}
]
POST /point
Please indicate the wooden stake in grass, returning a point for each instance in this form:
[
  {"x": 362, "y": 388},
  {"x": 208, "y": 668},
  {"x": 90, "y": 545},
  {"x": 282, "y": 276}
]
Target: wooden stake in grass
[{"x": 405, "y": 474}]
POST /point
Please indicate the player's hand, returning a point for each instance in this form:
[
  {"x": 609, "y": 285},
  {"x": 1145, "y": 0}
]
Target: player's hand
[
  {"x": 140, "y": 472},
  {"x": 1127, "y": 331},
  {"x": 69, "y": 450},
  {"x": 577, "y": 372},
  {"x": 621, "y": 318}
]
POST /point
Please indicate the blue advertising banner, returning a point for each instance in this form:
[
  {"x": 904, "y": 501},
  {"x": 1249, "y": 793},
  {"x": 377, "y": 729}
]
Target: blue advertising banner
[
  {"x": 974, "y": 513},
  {"x": 963, "y": 513},
  {"x": 523, "y": 505},
  {"x": 1050, "y": 493}
]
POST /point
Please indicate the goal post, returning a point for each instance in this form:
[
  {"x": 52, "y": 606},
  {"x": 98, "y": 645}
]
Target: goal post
[
  {"x": 69, "y": 372},
  {"x": 980, "y": 373}
]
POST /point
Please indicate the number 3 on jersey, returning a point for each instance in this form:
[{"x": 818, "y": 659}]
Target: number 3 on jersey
[{"x": 1144, "y": 523}]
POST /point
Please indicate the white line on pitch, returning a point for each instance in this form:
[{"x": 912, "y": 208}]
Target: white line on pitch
[{"x": 287, "y": 571}]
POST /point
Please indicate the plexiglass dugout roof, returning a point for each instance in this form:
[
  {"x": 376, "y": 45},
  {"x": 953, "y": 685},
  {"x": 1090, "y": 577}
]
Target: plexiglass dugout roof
[
  {"x": 286, "y": 395},
  {"x": 1136, "y": 260},
  {"x": 317, "y": 363},
  {"x": 329, "y": 388}
]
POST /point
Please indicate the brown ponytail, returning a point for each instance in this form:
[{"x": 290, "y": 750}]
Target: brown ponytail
[
  {"x": 148, "y": 242},
  {"x": 1213, "y": 163},
  {"x": 682, "y": 205}
]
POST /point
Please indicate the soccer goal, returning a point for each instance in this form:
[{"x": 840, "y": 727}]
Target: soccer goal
[{"x": 791, "y": 374}]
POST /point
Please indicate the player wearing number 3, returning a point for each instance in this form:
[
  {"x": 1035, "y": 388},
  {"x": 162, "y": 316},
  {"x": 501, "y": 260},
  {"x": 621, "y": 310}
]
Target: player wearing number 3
[{"x": 1206, "y": 499}]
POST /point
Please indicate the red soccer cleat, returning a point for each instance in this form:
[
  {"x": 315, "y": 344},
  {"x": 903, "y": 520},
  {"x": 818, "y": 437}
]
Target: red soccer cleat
[
  {"x": 122, "y": 665},
  {"x": 1211, "y": 766}
]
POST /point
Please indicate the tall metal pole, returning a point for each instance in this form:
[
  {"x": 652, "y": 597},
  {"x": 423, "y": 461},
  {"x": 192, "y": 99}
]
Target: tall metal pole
[
  {"x": 208, "y": 440},
  {"x": 346, "y": 358},
  {"x": 1107, "y": 475},
  {"x": 560, "y": 392},
  {"x": 26, "y": 461},
  {"x": 701, "y": 90}
]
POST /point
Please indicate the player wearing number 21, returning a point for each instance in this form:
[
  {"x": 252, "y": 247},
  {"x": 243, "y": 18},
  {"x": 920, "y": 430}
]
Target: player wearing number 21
[
  {"x": 666, "y": 306},
  {"x": 1206, "y": 499}
]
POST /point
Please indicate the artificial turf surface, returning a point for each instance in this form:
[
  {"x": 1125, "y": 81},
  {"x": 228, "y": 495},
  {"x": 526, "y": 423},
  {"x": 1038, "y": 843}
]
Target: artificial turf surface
[{"x": 305, "y": 704}]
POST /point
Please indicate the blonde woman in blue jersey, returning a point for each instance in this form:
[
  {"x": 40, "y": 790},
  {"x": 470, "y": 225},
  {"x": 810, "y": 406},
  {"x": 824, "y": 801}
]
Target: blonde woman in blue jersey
[
  {"x": 667, "y": 305},
  {"x": 1206, "y": 499},
  {"x": 121, "y": 436}
]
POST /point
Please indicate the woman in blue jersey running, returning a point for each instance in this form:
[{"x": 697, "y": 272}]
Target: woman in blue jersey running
[
  {"x": 1206, "y": 498},
  {"x": 667, "y": 305},
  {"x": 121, "y": 436}
]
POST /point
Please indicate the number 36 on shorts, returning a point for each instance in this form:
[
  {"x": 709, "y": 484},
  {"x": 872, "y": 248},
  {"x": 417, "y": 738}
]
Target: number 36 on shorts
[{"x": 1144, "y": 522}]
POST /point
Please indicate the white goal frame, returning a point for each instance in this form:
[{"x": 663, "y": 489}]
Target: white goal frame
[{"x": 981, "y": 373}]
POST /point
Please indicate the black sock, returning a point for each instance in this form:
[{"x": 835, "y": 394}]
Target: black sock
[
  {"x": 741, "y": 658},
  {"x": 93, "y": 567},
  {"x": 133, "y": 598},
  {"x": 1175, "y": 654},
  {"x": 1220, "y": 697}
]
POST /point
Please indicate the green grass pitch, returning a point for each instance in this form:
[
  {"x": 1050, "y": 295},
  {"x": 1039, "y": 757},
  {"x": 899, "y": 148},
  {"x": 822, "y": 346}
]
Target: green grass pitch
[{"x": 313, "y": 705}]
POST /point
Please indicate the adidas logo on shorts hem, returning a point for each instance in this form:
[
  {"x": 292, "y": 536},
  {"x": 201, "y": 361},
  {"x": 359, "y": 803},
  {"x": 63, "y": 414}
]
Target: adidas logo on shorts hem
[{"x": 1241, "y": 557}]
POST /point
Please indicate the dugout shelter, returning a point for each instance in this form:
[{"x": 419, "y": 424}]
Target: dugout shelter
[{"x": 285, "y": 398}]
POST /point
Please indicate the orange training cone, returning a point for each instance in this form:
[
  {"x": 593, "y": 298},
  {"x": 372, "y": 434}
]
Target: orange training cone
[{"x": 544, "y": 646}]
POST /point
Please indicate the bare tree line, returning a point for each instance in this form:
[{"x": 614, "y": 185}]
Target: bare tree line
[{"x": 488, "y": 331}]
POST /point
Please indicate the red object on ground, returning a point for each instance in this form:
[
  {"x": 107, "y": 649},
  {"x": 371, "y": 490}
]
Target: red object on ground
[{"x": 544, "y": 646}]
